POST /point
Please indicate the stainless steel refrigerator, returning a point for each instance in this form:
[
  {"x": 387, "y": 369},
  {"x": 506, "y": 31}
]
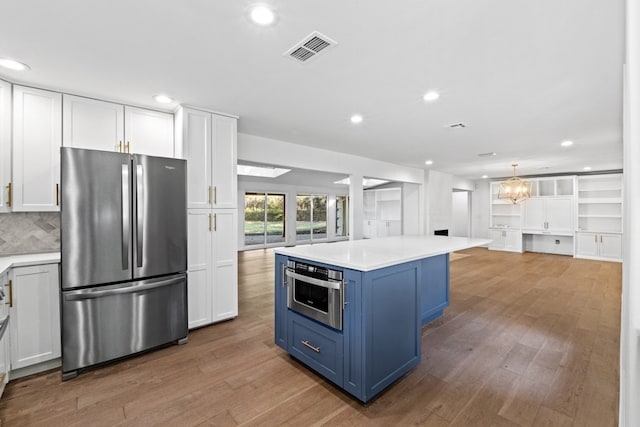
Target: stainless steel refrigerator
[{"x": 123, "y": 255}]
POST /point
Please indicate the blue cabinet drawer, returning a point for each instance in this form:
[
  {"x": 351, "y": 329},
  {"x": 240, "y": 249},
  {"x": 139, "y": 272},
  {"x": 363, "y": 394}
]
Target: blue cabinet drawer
[{"x": 317, "y": 346}]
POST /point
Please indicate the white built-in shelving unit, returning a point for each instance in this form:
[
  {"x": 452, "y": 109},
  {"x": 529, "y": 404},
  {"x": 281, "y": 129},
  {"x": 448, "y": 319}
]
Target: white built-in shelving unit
[{"x": 599, "y": 224}]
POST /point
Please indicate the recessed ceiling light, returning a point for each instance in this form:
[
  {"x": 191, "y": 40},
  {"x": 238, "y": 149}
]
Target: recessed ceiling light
[
  {"x": 432, "y": 95},
  {"x": 566, "y": 143},
  {"x": 262, "y": 15},
  {"x": 356, "y": 118},
  {"x": 428, "y": 162},
  {"x": 12, "y": 64},
  {"x": 586, "y": 168},
  {"x": 163, "y": 99},
  {"x": 485, "y": 176}
]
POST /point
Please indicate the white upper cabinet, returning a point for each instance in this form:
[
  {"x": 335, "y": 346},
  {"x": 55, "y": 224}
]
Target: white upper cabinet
[
  {"x": 209, "y": 143},
  {"x": 5, "y": 146},
  {"x": 37, "y": 137},
  {"x": 197, "y": 150},
  {"x": 148, "y": 132},
  {"x": 223, "y": 169},
  {"x": 93, "y": 124},
  {"x": 100, "y": 125},
  {"x": 549, "y": 215}
]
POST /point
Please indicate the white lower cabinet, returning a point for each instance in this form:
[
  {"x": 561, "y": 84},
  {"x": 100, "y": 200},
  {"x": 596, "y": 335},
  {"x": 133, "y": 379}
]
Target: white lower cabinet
[
  {"x": 387, "y": 228},
  {"x": 505, "y": 240},
  {"x": 5, "y": 357},
  {"x": 604, "y": 246},
  {"x": 34, "y": 322},
  {"x": 212, "y": 265}
]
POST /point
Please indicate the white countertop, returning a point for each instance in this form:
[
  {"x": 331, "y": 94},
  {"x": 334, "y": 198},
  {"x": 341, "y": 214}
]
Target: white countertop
[
  {"x": 371, "y": 254},
  {"x": 8, "y": 262}
]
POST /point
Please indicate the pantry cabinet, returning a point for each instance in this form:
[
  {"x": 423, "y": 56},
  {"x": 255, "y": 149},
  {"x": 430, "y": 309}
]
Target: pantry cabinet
[
  {"x": 5, "y": 146},
  {"x": 209, "y": 143},
  {"x": 212, "y": 266},
  {"x": 34, "y": 311},
  {"x": 37, "y": 137},
  {"x": 100, "y": 125}
]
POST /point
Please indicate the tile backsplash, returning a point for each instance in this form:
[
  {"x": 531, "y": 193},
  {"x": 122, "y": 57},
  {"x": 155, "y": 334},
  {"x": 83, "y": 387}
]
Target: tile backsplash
[{"x": 29, "y": 232}]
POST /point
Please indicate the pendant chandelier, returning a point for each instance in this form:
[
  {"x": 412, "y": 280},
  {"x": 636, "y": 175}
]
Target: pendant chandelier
[{"x": 514, "y": 189}]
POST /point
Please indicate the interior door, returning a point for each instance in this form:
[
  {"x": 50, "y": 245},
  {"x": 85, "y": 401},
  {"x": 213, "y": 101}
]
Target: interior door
[
  {"x": 95, "y": 217},
  {"x": 159, "y": 216}
]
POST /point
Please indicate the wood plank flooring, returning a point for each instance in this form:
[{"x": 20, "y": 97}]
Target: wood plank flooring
[{"x": 529, "y": 340}]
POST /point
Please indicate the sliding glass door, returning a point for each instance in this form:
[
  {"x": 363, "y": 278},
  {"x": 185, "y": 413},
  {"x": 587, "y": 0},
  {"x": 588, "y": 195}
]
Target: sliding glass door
[
  {"x": 311, "y": 217},
  {"x": 264, "y": 216}
]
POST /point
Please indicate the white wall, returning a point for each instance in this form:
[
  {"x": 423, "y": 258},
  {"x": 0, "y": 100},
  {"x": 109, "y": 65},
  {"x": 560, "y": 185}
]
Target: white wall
[
  {"x": 460, "y": 211},
  {"x": 411, "y": 202},
  {"x": 271, "y": 151},
  {"x": 480, "y": 210},
  {"x": 630, "y": 322},
  {"x": 438, "y": 189}
]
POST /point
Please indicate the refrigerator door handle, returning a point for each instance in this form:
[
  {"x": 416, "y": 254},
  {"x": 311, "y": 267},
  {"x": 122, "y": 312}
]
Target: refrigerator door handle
[
  {"x": 125, "y": 216},
  {"x": 139, "y": 214},
  {"x": 144, "y": 286}
]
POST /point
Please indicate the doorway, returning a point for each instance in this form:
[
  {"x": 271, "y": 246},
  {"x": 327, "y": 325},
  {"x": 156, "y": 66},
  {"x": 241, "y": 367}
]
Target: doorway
[{"x": 460, "y": 213}]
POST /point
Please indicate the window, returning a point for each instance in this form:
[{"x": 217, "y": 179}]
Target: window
[
  {"x": 342, "y": 216},
  {"x": 264, "y": 216},
  {"x": 311, "y": 217}
]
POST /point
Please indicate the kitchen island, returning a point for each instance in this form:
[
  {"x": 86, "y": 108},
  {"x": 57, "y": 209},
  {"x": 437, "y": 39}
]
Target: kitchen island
[{"x": 353, "y": 311}]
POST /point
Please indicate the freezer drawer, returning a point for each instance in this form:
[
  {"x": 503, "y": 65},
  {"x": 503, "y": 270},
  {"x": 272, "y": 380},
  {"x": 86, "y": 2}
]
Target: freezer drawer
[{"x": 108, "y": 322}]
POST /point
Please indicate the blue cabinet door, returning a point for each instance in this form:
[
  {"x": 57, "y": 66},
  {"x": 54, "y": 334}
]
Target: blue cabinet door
[
  {"x": 391, "y": 321},
  {"x": 280, "y": 296},
  {"x": 435, "y": 287},
  {"x": 352, "y": 334}
]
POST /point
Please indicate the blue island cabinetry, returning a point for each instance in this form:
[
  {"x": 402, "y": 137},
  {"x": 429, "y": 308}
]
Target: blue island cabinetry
[{"x": 383, "y": 312}]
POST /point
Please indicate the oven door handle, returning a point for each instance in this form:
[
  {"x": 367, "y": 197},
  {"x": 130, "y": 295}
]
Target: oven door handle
[{"x": 324, "y": 283}]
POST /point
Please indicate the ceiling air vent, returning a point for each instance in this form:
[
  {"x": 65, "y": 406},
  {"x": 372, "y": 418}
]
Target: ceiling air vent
[
  {"x": 310, "y": 47},
  {"x": 457, "y": 126}
]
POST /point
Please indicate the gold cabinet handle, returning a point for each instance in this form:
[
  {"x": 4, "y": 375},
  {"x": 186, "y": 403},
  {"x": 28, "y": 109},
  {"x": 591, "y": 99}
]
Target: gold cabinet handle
[
  {"x": 215, "y": 222},
  {"x": 9, "y": 188},
  {"x": 209, "y": 222},
  {"x": 57, "y": 194},
  {"x": 128, "y": 147},
  {"x": 215, "y": 195},
  {"x": 595, "y": 236},
  {"x": 10, "y": 293},
  {"x": 119, "y": 146},
  {"x": 601, "y": 238},
  {"x": 209, "y": 195},
  {"x": 308, "y": 345}
]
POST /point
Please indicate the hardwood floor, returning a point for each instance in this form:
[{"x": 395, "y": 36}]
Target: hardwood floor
[{"x": 529, "y": 340}]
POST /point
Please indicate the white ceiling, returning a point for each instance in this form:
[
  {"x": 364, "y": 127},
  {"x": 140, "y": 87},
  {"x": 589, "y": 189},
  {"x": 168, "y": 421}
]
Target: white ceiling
[{"x": 523, "y": 75}]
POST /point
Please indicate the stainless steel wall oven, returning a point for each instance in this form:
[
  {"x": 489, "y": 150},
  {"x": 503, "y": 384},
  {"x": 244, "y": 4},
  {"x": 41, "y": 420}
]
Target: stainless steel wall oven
[{"x": 316, "y": 292}]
